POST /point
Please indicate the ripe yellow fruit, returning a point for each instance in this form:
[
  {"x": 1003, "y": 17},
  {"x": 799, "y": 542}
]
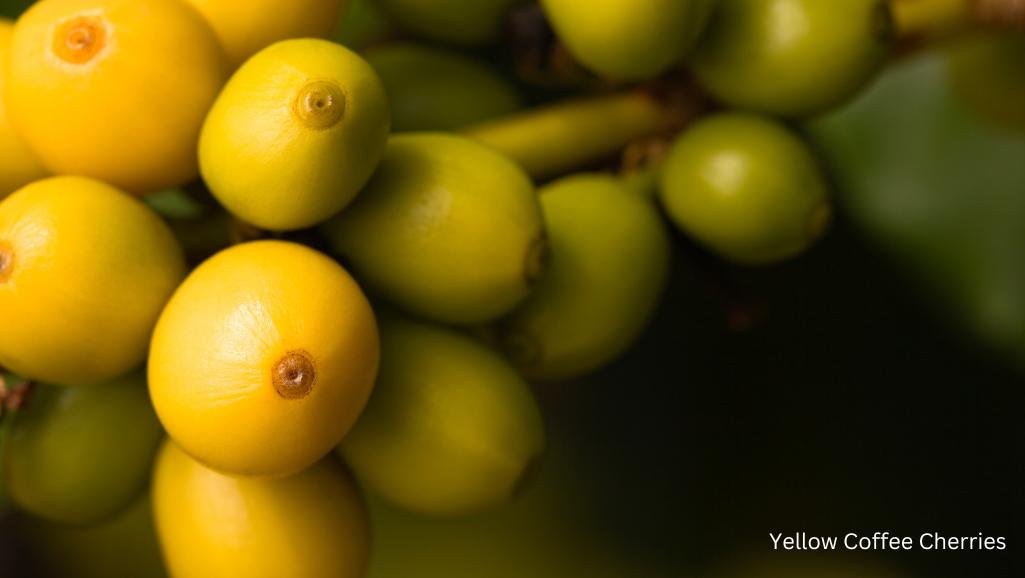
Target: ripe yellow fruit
[
  {"x": 114, "y": 89},
  {"x": 295, "y": 135},
  {"x": 447, "y": 229},
  {"x": 310, "y": 525},
  {"x": 84, "y": 272},
  {"x": 263, "y": 359},
  {"x": 247, "y": 26},
  {"x": 451, "y": 428},
  {"x": 18, "y": 165}
]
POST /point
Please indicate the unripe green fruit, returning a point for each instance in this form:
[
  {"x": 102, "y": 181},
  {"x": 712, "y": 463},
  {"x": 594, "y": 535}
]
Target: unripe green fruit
[
  {"x": 628, "y": 39},
  {"x": 609, "y": 265},
  {"x": 295, "y": 134},
  {"x": 447, "y": 229},
  {"x": 437, "y": 89},
  {"x": 80, "y": 455},
  {"x": 461, "y": 22},
  {"x": 988, "y": 73},
  {"x": 792, "y": 57},
  {"x": 123, "y": 546},
  {"x": 363, "y": 24},
  {"x": 746, "y": 188},
  {"x": 450, "y": 428}
]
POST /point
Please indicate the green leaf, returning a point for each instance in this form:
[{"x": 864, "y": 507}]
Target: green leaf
[{"x": 941, "y": 191}]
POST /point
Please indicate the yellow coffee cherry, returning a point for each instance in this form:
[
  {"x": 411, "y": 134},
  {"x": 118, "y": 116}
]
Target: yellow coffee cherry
[
  {"x": 295, "y": 135},
  {"x": 245, "y": 27},
  {"x": 84, "y": 271},
  {"x": 114, "y": 89},
  {"x": 18, "y": 165},
  {"x": 311, "y": 525},
  {"x": 263, "y": 359},
  {"x": 450, "y": 429},
  {"x": 447, "y": 229}
]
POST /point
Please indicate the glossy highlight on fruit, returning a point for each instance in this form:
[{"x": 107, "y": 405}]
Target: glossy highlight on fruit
[
  {"x": 609, "y": 266},
  {"x": 451, "y": 428},
  {"x": 18, "y": 164},
  {"x": 460, "y": 22},
  {"x": 84, "y": 271},
  {"x": 629, "y": 39},
  {"x": 747, "y": 188},
  {"x": 447, "y": 229},
  {"x": 295, "y": 134},
  {"x": 263, "y": 359},
  {"x": 81, "y": 455},
  {"x": 792, "y": 57},
  {"x": 245, "y": 27},
  {"x": 310, "y": 525},
  {"x": 437, "y": 89},
  {"x": 114, "y": 89}
]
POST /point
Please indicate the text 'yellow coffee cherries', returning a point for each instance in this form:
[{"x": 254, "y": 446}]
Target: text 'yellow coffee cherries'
[
  {"x": 18, "y": 164},
  {"x": 114, "y": 89},
  {"x": 447, "y": 229},
  {"x": 84, "y": 271},
  {"x": 247, "y": 26},
  {"x": 450, "y": 429},
  {"x": 628, "y": 39},
  {"x": 311, "y": 525},
  {"x": 295, "y": 134},
  {"x": 263, "y": 359}
]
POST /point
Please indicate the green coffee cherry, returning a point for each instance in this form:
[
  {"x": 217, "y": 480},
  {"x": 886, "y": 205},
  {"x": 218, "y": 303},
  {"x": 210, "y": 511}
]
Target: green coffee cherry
[
  {"x": 746, "y": 188},
  {"x": 80, "y": 455},
  {"x": 460, "y": 22},
  {"x": 123, "y": 546},
  {"x": 450, "y": 428},
  {"x": 792, "y": 57},
  {"x": 447, "y": 229},
  {"x": 609, "y": 265},
  {"x": 437, "y": 89},
  {"x": 628, "y": 39},
  {"x": 363, "y": 24},
  {"x": 987, "y": 72}
]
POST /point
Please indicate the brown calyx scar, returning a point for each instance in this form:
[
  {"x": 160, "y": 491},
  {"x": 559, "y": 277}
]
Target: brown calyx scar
[
  {"x": 80, "y": 39},
  {"x": 294, "y": 374}
]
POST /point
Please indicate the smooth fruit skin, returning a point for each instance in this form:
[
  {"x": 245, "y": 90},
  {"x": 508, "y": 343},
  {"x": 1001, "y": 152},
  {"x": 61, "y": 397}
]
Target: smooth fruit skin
[
  {"x": 628, "y": 39},
  {"x": 295, "y": 134},
  {"x": 746, "y": 188},
  {"x": 459, "y": 22},
  {"x": 310, "y": 525},
  {"x": 81, "y": 455},
  {"x": 792, "y": 57},
  {"x": 447, "y": 229},
  {"x": 609, "y": 266},
  {"x": 987, "y": 71},
  {"x": 437, "y": 89},
  {"x": 245, "y": 27},
  {"x": 84, "y": 271},
  {"x": 263, "y": 359},
  {"x": 451, "y": 428},
  {"x": 114, "y": 89},
  {"x": 18, "y": 164}
]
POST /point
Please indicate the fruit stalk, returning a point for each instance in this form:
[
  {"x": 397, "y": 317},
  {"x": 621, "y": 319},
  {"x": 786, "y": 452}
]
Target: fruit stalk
[
  {"x": 558, "y": 138},
  {"x": 938, "y": 18}
]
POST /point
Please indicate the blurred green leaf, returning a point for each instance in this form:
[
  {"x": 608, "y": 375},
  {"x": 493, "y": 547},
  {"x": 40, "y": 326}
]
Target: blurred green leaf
[{"x": 944, "y": 193}]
